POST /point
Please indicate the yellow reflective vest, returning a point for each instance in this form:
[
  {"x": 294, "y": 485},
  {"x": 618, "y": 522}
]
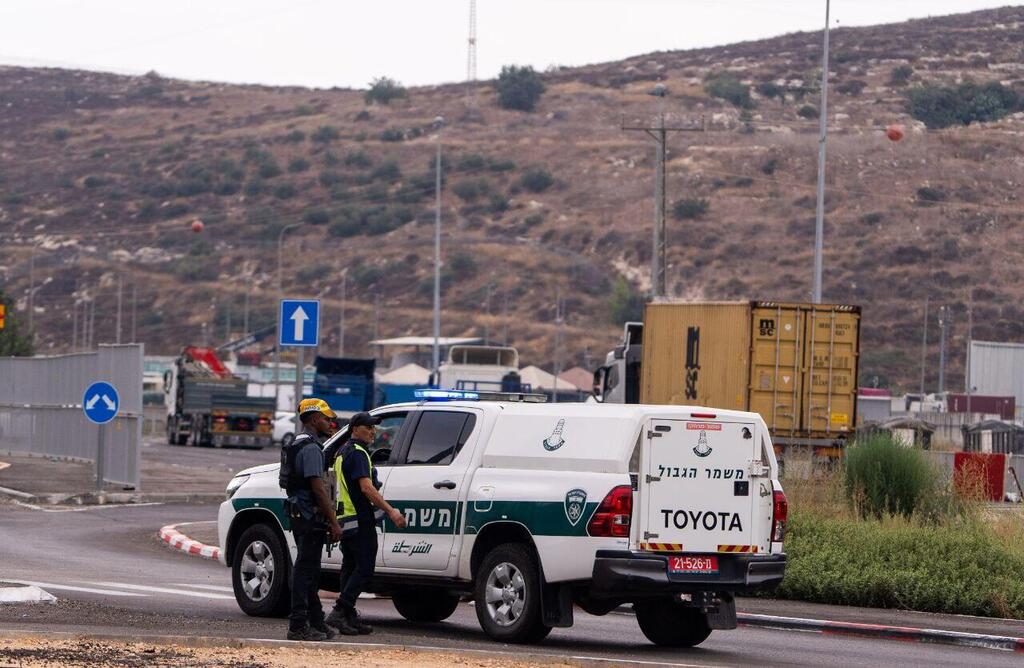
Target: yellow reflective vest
[{"x": 346, "y": 509}]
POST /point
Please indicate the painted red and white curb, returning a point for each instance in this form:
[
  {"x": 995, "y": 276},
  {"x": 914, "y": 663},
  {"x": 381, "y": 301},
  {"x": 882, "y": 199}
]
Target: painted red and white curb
[
  {"x": 179, "y": 541},
  {"x": 905, "y": 633}
]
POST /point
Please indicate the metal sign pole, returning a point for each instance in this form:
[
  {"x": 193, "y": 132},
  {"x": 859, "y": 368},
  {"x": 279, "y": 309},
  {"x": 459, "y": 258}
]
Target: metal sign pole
[{"x": 101, "y": 437}]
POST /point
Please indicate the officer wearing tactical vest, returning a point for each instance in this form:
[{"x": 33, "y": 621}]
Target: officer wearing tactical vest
[
  {"x": 357, "y": 496},
  {"x": 312, "y": 517}
]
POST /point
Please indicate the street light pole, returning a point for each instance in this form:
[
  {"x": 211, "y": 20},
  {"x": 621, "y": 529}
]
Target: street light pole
[
  {"x": 277, "y": 341},
  {"x": 32, "y": 292},
  {"x": 439, "y": 123},
  {"x": 819, "y": 218}
]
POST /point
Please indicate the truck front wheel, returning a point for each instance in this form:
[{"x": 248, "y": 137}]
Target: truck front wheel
[
  {"x": 418, "y": 605},
  {"x": 507, "y": 595},
  {"x": 669, "y": 624}
]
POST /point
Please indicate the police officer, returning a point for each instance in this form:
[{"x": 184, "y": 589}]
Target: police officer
[
  {"x": 312, "y": 518},
  {"x": 357, "y": 496}
]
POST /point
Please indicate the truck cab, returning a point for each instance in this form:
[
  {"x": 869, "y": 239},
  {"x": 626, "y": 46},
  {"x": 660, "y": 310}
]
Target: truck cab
[
  {"x": 530, "y": 508},
  {"x": 618, "y": 381}
]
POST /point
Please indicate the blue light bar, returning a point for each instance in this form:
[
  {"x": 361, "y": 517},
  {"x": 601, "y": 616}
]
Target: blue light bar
[{"x": 446, "y": 395}]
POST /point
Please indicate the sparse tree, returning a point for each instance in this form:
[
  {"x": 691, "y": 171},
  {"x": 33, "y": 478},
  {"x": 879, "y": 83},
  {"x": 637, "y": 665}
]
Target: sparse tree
[
  {"x": 385, "y": 89},
  {"x": 519, "y": 88}
]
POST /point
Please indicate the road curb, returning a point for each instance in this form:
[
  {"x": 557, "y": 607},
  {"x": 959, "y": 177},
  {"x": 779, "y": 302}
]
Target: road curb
[
  {"x": 906, "y": 633},
  {"x": 112, "y": 498},
  {"x": 179, "y": 541}
]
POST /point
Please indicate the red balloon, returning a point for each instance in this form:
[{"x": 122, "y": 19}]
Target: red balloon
[
  {"x": 197, "y": 226},
  {"x": 894, "y": 132}
]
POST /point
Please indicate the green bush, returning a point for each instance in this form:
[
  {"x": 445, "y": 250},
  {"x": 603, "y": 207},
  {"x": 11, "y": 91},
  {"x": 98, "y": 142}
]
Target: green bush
[
  {"x": 496, "y": 165},
  {"x": 930, "y": 194},
  {"x": 316, "y": 216},
  {"x": 358, "y": 159},
  {"x": 960, "y": 568},
  {"x": 536, "y": 179},
  {"x": 268, "y": 168},
  {"x": 325, "y": 134},
  {"x": 462, "y": 265},
  {"x": 295, "y": 137},
  {"x": 518, "y": 88},
  {"x": 473, "y": 162},
  {"x": 296, "y": 165},
  {"x": 469, "y": 190},
  {"x": 533, "y": 220},
  {"x": 770, "y": 90},
  {"x": 385, "y": 89},
  {"x": 807, "y": 111},
  {"x": 304, "y": 110},
  {"x": 387, "y": 171},
  {"x": 625, "y": 303},
  {"x": 689, "y": 208},
  {"x": 726, "y": 86},
  {"x": 881, "y": 477},
  {"x": 942, "y": 106},
  {"x": 852, "y": 87},
  {"x": 60, "y": 134},
  {"x": 392, "y": 134},
  {"x": 285, "y": 191},
  {"x": 330, "y": 178},
  {"x": 497, "y": 203},
  {"x": 371, "y": 220},
  {"x": 93, "y": 181},
  {"x": 900, "y": 75}
]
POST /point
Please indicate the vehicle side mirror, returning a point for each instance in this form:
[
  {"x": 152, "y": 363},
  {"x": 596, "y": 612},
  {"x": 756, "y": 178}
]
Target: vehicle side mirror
[
  {"x": 380, "y": 456},
  {"x": 599, "y": 381}
]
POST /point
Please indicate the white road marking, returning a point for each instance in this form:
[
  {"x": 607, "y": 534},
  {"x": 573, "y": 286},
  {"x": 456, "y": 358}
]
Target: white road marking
[
  {"x": 88, "y": 590},
  {"x": 210, "y": 587},
  {"x": 82, "y": 509},
  {"x": 162, "y": 590}
]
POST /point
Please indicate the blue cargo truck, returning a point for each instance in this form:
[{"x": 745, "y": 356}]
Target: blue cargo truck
[{"x": 345, "y": 383}]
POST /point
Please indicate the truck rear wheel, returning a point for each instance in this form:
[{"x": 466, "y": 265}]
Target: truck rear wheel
[
  {"x": 173, "y": 438},
  {"x": 669, "y": 624},
  {"x": 421, "y": 605},
  {"x": 507, "y": 595},
  {"x": 259, "y": 572}
]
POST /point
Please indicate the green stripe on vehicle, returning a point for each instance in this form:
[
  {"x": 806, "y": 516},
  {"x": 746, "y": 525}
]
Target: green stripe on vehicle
[
  {"x": 275, "y": 506},
  {"x": 428, "y": 517},
  {"x": 541, "y": 518}
]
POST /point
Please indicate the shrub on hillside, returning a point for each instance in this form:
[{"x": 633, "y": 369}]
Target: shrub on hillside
[
  {"x": 325, "y": 134},
  {"x": 387, "y": 171},
  {"x": 60, "y": 134},
  {"x": 518, "y": 88},
  {"x": 625, "y": 303},
  {"x": 852, "y": 87},
  {"x": 882, "y": 477},
  {"x": 536, "y": 179},
  {"x": 296, "y": 165},
  {"x": 496, "y": 165},
  {"x": 728, "y": 87},
  {"x": 689, "y": 208},
  {"x": 316, "y": 216},
  {"x": 807, "y": 111},
  {"x": 285, "y": 191},
  {"x": 470, "y": 190},
  {"x": 295, "y": 136},
  {"x": 462, "y": 265},
  {"x": 942, "y": 106},
  {"x": 358, "y": 159},
  {"x": 392, "y": 134},
  {"x": 472, "y": 162},
  {"x": 268, "y": 168},
  {"x": 929, "y": 194},
  {"x": 900, "y": 75},
  {"x": 383, "y": 90},
  {"x": 770, "y": 89}
]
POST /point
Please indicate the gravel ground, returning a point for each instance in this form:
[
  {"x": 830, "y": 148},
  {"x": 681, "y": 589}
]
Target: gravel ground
[{"x": 32, "y": 651}]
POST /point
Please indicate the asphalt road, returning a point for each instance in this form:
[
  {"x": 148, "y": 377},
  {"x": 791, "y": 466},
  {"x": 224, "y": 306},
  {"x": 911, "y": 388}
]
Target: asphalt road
[{"x": 113, "y": 576}]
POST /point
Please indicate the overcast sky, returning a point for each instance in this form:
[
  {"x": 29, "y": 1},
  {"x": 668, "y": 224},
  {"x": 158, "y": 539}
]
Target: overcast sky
[{"x": 324, "y": 43}]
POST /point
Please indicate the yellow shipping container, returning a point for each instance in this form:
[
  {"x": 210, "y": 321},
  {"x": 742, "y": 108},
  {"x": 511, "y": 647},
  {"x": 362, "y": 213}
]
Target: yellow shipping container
[{"x": 794, "y": 363}]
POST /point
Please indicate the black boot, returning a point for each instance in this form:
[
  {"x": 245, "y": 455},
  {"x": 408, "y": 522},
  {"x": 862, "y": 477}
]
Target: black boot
[
  {"x": 358, "y": 624},
  {"x": 307, "y": 633},
  {"x": 339, "y": 619}
]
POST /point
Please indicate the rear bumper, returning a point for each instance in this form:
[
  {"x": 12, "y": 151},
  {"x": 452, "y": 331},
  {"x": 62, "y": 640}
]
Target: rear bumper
[
  {"x": 624, "y": 573},
  {"x": 242, "y": 438}
]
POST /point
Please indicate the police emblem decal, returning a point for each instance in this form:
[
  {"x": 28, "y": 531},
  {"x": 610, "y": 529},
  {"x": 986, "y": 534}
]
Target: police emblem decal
[
  {"x": 702, "y": 449},
  {"x": 575, "y": 503},
  {"x": 555, "y": 440}
]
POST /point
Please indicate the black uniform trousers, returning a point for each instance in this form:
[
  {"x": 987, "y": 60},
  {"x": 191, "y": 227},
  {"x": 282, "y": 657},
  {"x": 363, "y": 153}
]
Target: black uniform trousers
[
  {"x": 305, "y": 580},
  {"x": 358, "y": 559}
]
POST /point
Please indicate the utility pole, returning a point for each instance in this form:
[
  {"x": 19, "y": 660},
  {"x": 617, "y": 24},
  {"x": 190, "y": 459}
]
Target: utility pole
[
  {"x": 559, "y": 321},
  {"x": 135, "y": 300},
  {"x": 227, "y": 324},
  {"x": 341, "y": 322},
  {"x": 471, "y": 56},
  {"x": 120, "y": 291},
  {"x": 659, "y": 132},
  {"x": 970, "y": 335},
  {"x": 943, "y": 334},
  {"x": 92, "y": 322},
  {"x": 277, "y": 316},
  {"x": 819, "y": 218},
  {"x": 924, "y": 344},
  {"x": 74, "y": 324},
  {"x": 436, "y": 353},
  {"x": 32, "y": 292},
  {"x": 504, "y": 317},
  {"x": 487, "y": 315},
  {"x": 245, "y": 308}
]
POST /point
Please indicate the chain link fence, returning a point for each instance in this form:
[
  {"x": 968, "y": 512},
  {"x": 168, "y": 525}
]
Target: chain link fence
[{"x": 41, "y": 408}]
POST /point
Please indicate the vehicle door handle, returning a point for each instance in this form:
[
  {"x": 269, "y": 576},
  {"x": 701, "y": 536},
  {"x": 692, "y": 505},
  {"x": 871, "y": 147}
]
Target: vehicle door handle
[{"x": 444, "y": 484}]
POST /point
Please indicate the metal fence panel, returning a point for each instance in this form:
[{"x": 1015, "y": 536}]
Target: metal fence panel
[{"x": 41, "y": 408}]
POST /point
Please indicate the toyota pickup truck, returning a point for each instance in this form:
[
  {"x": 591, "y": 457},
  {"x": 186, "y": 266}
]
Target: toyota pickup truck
[{"x": 529, "y": 508}]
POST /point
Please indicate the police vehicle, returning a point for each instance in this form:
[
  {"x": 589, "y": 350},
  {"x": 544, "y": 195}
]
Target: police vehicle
[{"x": 530, "y": 508}]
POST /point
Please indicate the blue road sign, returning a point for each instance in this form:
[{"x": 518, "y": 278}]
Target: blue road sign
[
  {"x": 299, "y": 322},
  {"x": 100, "y": 402}
]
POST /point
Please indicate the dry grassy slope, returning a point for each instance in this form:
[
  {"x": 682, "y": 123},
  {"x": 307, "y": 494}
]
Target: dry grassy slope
[{"x": 85, "y": 196}]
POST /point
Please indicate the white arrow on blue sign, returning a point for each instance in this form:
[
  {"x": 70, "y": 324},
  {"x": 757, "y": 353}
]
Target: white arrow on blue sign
[
  {"x": 299, "y": 322},
  {"x": 100, "y": 402}
]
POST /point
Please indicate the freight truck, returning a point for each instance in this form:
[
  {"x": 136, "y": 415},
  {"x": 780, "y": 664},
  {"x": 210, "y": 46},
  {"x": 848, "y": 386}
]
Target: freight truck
[
  {"x": 208, "y": 405},
  {"x": 794, "y": 363},
  {"x": 345, "y": 383}
]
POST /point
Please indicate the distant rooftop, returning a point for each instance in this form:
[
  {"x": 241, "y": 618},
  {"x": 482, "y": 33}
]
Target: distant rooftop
[{"x": 426, "y": 341}]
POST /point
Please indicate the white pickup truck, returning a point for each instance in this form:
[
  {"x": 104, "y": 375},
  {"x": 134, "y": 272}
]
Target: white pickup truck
[{"x": 530, "y": 508}]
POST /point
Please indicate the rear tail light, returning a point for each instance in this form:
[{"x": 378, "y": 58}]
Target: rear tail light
[
  {"x": 263, "y": 420},
  {"x": 704, "y": 416},
  {"x": 220, "y": 419},
  {"x": 612, "y": 517},
  {"x": 780, "y": 512}
]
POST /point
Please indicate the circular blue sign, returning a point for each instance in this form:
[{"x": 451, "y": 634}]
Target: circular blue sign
[{"x": 100, "y": 402}]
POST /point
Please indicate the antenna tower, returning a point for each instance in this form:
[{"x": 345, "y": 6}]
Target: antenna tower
[{"x": 471, "y": 55}]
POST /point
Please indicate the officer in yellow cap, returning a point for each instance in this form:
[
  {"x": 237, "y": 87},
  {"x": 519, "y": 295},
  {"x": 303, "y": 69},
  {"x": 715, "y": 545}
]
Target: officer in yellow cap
[{"x": 311, "y": 511}]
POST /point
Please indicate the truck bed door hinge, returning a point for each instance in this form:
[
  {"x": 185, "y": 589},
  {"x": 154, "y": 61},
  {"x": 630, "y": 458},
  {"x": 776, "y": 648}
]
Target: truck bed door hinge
[
  {"x": 648, "y": 535},
  {"x": 653, "y": 434},
  {"x": 652, "y": 478},
  {"x": 757, "y": 469}
]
